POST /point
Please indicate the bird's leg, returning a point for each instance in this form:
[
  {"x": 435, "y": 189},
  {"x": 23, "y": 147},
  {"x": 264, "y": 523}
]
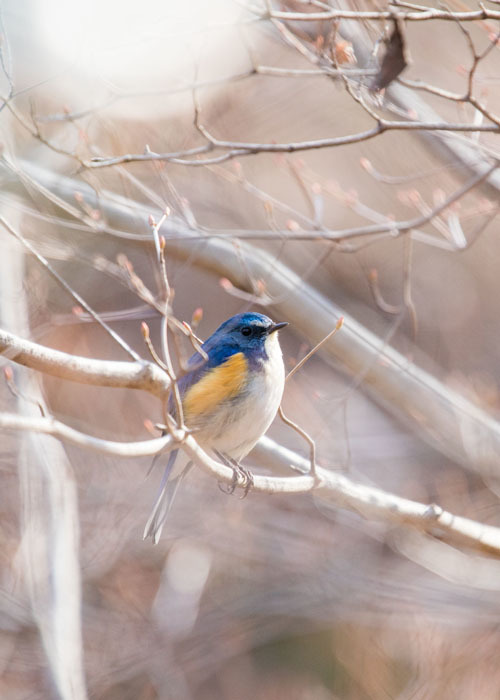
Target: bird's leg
[
  {"x": 227, "y": 489},
  {"x": 245, "y": 473},
  {"x": 238, "y": 470}
]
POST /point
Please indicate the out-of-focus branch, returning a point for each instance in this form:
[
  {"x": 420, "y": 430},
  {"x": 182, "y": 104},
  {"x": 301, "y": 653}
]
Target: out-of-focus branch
[
  {"x": 422, "y": 15},
  {"x": 452, "y": 96},
  {"x": 62, "y": 282},
  {"x": 392, "y": 227},
  {"x": 71, "y": 116},
  {"x": 398, "y": 97},
  {"x": 128, "y": 375},
  {"x": 369, "y": 502},
  {"x": 388, "y": 227},
  {"x": 440, "y": 415},
  {"x": 278, "y": 72},
  {"x": 239, "y": 149},
  {"x": 50, "y": 426},
  {"x": 47, "y": 556}
]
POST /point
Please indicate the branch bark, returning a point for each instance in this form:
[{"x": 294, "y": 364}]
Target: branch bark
[{"x": 127, "y": 375}]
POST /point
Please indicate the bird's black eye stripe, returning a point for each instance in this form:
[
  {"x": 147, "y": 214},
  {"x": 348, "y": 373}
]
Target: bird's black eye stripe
[{"x": 246, "y": 330}]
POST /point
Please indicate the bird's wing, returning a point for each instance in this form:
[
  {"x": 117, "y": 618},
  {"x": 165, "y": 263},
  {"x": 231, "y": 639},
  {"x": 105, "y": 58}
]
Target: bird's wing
[
  {"x": 197, "y": 366},
  {"x": 173, "y": 474}
]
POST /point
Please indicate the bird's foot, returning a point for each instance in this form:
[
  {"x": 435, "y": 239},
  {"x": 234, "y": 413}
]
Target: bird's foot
[
  {"x": 247, "y": 475},
  {"x": 229, "y": 489},
  {"x": 239, "y": 472}
]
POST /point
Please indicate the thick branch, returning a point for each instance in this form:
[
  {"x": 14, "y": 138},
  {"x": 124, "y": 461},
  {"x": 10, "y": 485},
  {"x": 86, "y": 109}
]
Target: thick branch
[{"x": 131, "y": 375}]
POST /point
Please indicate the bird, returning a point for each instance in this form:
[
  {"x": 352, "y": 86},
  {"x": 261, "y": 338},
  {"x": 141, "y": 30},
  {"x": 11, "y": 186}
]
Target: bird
[{"x": 230, "y": 395}]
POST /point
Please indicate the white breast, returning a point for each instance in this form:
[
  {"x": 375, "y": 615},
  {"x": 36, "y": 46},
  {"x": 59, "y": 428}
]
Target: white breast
[{"x": 256, "y": 412}]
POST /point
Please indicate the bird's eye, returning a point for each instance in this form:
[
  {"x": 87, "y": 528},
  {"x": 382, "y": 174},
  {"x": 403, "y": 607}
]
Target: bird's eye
[{"x": 246, "y": 330}]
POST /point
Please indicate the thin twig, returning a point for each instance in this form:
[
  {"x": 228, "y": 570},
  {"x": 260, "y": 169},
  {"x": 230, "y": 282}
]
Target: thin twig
[
  {"x": 77, "y": 297},
  {"x": 407, "y": 295},
  {"x": 303, "y": 433},
  {"x": 315, "y": 349},
  {"x": 240, "y": 149}
]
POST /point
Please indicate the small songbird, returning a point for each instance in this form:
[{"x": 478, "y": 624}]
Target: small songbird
[{"x": 229, "y": 399}]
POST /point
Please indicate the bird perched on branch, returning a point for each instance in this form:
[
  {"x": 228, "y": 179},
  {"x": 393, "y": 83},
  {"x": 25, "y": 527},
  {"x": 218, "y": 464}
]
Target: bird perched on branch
[{"x": 230, "y": 396}]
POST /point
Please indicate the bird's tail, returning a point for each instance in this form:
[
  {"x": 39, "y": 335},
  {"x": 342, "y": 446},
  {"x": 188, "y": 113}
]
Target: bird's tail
[{"x": 168, "y": 488}]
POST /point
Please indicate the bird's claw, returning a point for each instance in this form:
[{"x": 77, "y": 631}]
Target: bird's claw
[
  {"x": 238, "y": 472},
  {"x": 248, "y": 477},
  {"x": 230, "y": 488}
]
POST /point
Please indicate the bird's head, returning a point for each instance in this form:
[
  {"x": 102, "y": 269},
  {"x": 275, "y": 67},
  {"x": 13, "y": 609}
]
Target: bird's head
[{"x": 250, "y": 333}]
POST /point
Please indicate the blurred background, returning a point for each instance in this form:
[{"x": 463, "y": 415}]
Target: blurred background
[{"x": 276, "y": 597}]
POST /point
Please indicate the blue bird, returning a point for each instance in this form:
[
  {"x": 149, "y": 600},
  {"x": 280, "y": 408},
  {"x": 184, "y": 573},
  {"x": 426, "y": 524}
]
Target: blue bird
[{"x": 229, "y": 399}]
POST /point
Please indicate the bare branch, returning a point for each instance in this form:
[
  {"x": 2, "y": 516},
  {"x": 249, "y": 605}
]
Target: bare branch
[
  {"x": 389, "y": 226},
  {"x": 131, "y": 375},
  {"x": 315, "y": 349},
  {"x": 237, "y": 149},
  {"x": 323, "y": 70},
  {"x": 369, "y": 502},
  {"x": 304, "y": 434},
  {"x": 422, "y": 15},
  {"x": 375, "y": 503},
  {"x": 50, "y": 426}
]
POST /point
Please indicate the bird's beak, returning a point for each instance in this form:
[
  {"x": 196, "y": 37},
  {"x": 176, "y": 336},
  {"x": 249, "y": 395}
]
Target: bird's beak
[{"x": 276, "y": 326}]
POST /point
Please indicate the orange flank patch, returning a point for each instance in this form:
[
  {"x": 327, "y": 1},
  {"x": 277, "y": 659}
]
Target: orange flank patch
[{"x": 219, "y": 384}]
